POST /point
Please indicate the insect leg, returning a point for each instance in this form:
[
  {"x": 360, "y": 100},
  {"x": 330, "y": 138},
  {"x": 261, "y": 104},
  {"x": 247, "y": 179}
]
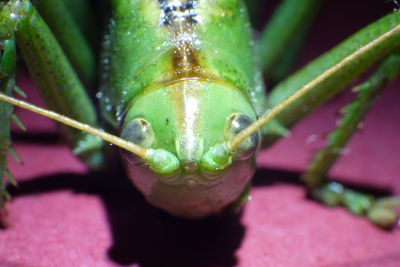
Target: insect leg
[
  {"x": 89, "y": 16},
  {"x": 277, "y": 50},
  {"x": 253, "y": 7},
  {"x": 332, "y": 193},
  {"x": 328, "y": 74},
  {"x": 282, "y": 38},
  {"x": 294, "y": 98},
  {"x": 7, "y": 86},
  {"x": 70, "y": 37},
  {"x": 54, "y": 76}
]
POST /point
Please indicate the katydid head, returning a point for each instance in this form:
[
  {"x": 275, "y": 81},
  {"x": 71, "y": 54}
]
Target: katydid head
[
  {"x": 216, "y": 158},
  {"x": 191, "y": 170}
]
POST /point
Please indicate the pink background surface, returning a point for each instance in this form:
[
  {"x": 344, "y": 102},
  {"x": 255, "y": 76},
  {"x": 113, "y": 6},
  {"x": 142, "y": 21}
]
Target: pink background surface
[{"x": 60, "y": 216}]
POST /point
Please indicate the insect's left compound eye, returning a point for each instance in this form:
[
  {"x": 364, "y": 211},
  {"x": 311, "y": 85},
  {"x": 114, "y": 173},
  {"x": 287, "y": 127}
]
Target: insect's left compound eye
[
  {"x": 235, "y": 124},
  {"x": 137, "y": 131}
]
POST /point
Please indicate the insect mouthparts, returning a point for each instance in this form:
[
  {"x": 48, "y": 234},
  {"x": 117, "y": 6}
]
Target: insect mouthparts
[{"x": 190, "y": 166}]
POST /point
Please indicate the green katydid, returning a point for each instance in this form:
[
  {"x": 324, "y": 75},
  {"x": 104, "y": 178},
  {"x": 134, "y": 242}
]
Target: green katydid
[{"x": 165, "y": 63}]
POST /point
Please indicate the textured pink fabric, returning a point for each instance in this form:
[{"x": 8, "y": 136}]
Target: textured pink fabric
[{"x": 59, "y": 218}]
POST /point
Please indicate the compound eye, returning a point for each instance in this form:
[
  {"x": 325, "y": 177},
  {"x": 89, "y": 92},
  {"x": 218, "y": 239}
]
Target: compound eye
[
  {"x": 235, "y": 124},
  {"x": 137, "y": 131}
]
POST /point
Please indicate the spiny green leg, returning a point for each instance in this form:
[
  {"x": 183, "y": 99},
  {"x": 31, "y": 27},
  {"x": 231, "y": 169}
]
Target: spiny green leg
[
  {"x": 283, "y": 37},
  {"x": 7, "y": 86},
  {"x": 7, "y": 80},
  {"x": 380, "y": 212},
  {"x": 53, "y": 74}
]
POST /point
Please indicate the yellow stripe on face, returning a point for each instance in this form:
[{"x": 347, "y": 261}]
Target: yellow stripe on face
[
  {"x": 187, "y": 107},
  {"x": 180, "y": 17}
]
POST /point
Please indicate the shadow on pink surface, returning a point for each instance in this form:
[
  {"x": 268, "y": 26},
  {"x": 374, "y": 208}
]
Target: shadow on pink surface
[{"x": 144, "y": 235}]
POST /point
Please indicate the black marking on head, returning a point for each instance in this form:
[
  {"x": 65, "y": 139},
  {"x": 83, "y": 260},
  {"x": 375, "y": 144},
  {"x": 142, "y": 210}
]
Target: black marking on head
[
  {"x": 180, "y": 17},
  {"x": 178, "y": 11}
]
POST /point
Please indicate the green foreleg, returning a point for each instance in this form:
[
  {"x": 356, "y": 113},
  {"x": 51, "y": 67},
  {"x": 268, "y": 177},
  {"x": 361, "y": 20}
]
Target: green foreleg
[
  {"x": 67, "y": 31},
  {"x": 84, "y": 15},
  {"x": 284, "y": 35},
  {"x": 379, "y": 212},
  {"x": 57, "y": 81},
  {"x": 277, "y": 50},
  {"x": 253, "y": 6},
  {"x": 7, "y": 85}
]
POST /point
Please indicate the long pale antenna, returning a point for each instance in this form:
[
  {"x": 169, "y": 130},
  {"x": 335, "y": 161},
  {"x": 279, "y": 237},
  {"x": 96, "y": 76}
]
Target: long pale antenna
[
  {"x": 274, "y": 111},
  {"x": 141, "y": 152}
]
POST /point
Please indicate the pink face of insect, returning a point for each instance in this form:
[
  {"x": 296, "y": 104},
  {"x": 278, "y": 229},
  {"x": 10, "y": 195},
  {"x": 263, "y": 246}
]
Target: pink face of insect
[{"x": 191, "y": 193}]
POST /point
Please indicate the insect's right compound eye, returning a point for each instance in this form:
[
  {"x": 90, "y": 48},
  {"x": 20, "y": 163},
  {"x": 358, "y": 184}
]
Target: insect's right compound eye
[
  {"x": 234, "y": 125},
  {"x": 139, "y": 132}
]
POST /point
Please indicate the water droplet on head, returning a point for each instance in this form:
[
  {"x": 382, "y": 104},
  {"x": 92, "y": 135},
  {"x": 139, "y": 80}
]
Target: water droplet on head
[{"x": 99, "y": 95}]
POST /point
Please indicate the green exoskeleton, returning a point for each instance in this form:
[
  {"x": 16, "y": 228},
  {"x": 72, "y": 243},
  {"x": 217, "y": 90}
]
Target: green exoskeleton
[{"x": 181, "y": 83}]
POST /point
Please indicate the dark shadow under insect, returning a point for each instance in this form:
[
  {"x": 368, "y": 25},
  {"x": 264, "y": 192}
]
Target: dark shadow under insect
[{"x": 145, "y": 235}]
